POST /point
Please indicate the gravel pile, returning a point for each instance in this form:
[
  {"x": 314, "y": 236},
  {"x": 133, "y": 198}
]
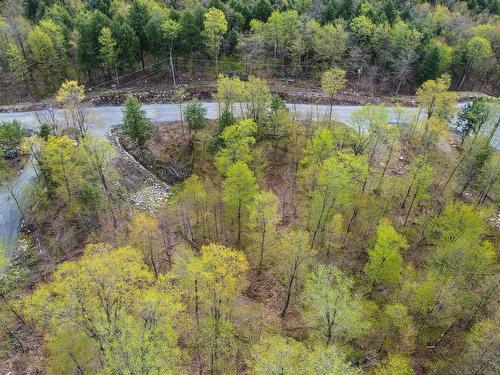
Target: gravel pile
[
  {"x": 495, "y": 220},
  {"x": 159, "y": 96},
  {"x": 150, "y": 198}
]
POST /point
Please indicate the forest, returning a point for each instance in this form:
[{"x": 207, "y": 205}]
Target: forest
[
  {"x": 241, "y": 233},
  {"x": 385, "y": 46}
]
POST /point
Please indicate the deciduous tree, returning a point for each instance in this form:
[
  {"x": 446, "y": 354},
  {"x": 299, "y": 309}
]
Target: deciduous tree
[
  {"x": 71, "y": 94},
  {"x": 332, "y": 81},
  {"x": 195, "y": 204},
  {"x": 433, "y": 96},
  {"x": 257, "y": 97},
  {"x": 395, "y": 364},
  {"x": 275, "y": 354},
  {"x": 17, "y": 64},
  {"x": 337, "y": 179},
  {"x": 108, "y": 306},
  {"x": 238, "y": 193},
  {"x": 420, "y": 178},
  {"x": 476, "y": 51},
  {"x": 238, "y": 139},
  {"x": 330, "y": 303},
  {"x": 292, "y": 258},
  {"x": 109, "y": 51},
  {"x": 59, "y": 155},
  {"x": 215, "y": 26},
  {"x": 218, "y": 277},
  {"x": 481, "y": 349},
  {"x": 98, "y": 155},
  {"x": 229, "y": 92},
  {"x": 263, "y": 219},
  {"x": 328, "y": 42},
  {"x": 143, "y": 234},
  {"x": 171, "y": 30},
  {"x": 385, "y": 265}
]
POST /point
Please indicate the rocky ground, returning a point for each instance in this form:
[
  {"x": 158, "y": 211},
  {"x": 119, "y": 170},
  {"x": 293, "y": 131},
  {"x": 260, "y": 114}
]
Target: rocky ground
[
  {"x": 145, "y": 190},
  {"x": 292, "y": 91}
]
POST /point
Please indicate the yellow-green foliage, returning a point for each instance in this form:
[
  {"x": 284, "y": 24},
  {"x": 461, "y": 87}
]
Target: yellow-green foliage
[
  {"x": 386, "y": 261},
  {"x": 104, "y": 313}
]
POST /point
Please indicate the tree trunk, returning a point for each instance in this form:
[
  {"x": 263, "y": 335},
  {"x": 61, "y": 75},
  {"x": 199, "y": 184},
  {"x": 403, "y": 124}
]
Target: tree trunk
[
  {"x": 467, "y": 183},
  {"x": 289, "y": 289},
  {"x": 399, "y": 86},
  {"x": 262, "y": 241},
  {"x": 442, "y": 336},
  {"x": 151, "y": 256},
  {"x": 391, "y": 150},
  {"x": 411, "y": 206},
  {"x": 11, "y": 191},
  {"x": 172, "y": 67},
  {"x": 484, "y": 194},
  {"x": 329, "y": 333},
  {"x": 466, "y": 71},
  {"x": 216, "y": 64},
  {"x": 142, "y": 58},
  {"x": 494, "y": 130},
  {"x": 14, "y": 336},
  {"x": 453, "y": 172},
  {"x": 417, "y": 119},
  {"x": 351, "y": 220},
  {"x": 239, "y": 222},
  {"x": 408, "y": 193},
  {"x": 12, "y": 309},
  {"x": 313, "y": 239},
  {"x": 331, "y": 112},
  {"x": 108, "y": 198},
  {"x": 78, "y": 367}
]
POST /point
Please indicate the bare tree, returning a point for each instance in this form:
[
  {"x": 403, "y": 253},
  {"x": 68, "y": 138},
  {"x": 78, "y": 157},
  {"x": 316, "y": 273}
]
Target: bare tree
[
  {"x": 47, "y": 116},
  {"x": 404, "y": 67}
]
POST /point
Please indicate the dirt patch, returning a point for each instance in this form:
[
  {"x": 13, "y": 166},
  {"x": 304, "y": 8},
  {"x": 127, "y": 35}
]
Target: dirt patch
[
  {"x": 168, "y": 154},
  {"x": 29, "y": 359},
  {"x": 265, "y": 288}
]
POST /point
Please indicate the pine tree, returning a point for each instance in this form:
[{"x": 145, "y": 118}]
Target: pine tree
[{"x": 135, "y": 124}]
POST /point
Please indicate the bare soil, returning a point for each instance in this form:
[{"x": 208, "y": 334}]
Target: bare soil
[{"x": 168, "y": 154}]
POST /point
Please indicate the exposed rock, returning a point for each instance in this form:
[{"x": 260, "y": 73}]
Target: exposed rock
[
  {"x": 494, "y": 221},
  {"x": 150, "y": 198}
]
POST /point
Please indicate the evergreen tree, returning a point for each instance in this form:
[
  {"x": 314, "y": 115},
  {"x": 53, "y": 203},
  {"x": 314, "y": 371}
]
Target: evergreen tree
[
  {"x": 135, "y": 124},
  {"x": 194, "y": 114},
  {"x": 436, "y": 60},
  {"x": 138, "y": 18}
]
